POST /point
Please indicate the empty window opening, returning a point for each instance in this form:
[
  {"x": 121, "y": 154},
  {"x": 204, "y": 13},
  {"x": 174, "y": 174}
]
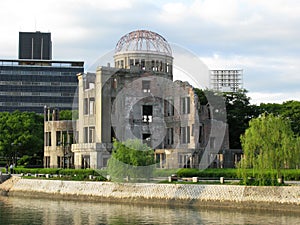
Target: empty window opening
[
  {"x": 170, "y": 136},
  {"x": 169, "y": 107},
  {"x": 146, "y": 86},
  {"x": 185, "y": 105},
  {"x": 147, "y": 139},
  {"x": 185, "y": 135},
  {"x": 147, "y": 113}
]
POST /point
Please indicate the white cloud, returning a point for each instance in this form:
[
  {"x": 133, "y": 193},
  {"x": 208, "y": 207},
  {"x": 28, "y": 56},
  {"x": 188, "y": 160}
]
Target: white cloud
[{"x": 259, "y": 36}]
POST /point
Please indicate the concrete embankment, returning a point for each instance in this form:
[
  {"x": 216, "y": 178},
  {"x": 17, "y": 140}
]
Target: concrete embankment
[{"x": 277, "y": 198}]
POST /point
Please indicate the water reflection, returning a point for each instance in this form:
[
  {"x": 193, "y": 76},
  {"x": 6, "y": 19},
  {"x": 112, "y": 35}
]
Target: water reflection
[{"x": 15, "y": 210}]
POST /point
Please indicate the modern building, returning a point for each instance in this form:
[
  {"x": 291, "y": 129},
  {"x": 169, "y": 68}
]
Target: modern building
[
  {"x": 138, "y": 99},
  {"x": 35, "y": 45},
  {"x": 34, "y": 80},
  {"x": 226, "y": 80}
]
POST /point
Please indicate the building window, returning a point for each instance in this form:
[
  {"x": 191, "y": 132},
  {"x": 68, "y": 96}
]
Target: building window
[
  {"x": 58, "y": 138},
  {"x": 185, "y": 135},
  {"x": 85, "y": 106},
  {"x": 92, "y": 106},
  {"x": 147, "y": 139},
  {"x": 169, "y": 107},
  {"x": 201, "y": 134},
  {"x": 147, "y": 113},
  {"x": 47, "y": 161},
  {"x": 146, "y": 86},
  {"x": 170, "y": 136},
  {"x": 91, "y": 134},
  {"x": 85, "y": 134},
  {"x": 48, "y": 139},
  {"x": 185, "y": 105},
  {"x": 58, "y": 162}
]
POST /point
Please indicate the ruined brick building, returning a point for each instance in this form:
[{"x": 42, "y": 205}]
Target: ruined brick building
[{"x": 138, "y": 99}]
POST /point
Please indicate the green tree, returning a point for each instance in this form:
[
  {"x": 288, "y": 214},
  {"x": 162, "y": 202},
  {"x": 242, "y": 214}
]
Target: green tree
[
  {"x": 68, "y": 115},
  {"x": 269, "y": 146},
  {"x": 21, "y": 133},
  {"x": 289, "y": 110},
  {"x": 239, "y": 113},
  {"x": 131, "y": 159}
]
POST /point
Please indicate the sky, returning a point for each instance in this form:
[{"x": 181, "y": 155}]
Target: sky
[{"x": 262, "y": 37}]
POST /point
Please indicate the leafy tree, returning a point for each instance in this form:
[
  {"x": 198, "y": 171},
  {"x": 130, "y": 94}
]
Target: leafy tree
[
  {"x": 68, "y": 114},
  {"x": 239, "y": 113},
  {"x": 21, "y": 133},
  {"x": 131, "y": 159},
  {"x": 269, "y": 145},
  {"x": 289, "y": 110}
]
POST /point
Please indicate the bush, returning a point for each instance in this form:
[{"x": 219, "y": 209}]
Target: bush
[{"x": 227, "y": 173}]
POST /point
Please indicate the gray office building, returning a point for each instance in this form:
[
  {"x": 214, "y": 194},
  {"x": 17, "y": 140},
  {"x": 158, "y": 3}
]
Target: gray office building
[
  {"x": 29, "y": 84},
  {"x": 35, "y": 45}
]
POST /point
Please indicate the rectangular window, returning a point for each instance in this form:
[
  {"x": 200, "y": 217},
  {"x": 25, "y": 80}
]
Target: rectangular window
[
  {"x": 185, "y": 105},
  {"x": 147, "y": 139},
  {"x": 185, "y": 135},
  {"x": 169, "y": 107},
  {"x": 201, "y": 134},
  {"x": 58, "y": 162},
  {"x": 146, "y": 86},
  {"x": 48, "y": 139},
  {"x": 58, "y": 138},
  {"x": 85, "y": 106},
  {"x": 85, "y": 135},
  {"x": 170, "y": 136},
  {"x": 147, "y": 113},
  {"x": 92, "y": 106},
  {"x": 91, "y": 134}
]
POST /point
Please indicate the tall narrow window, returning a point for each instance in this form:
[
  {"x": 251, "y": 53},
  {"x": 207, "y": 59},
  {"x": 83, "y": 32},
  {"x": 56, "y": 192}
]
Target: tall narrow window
[
  {"x": 185, "y": 135},
  {"x": 147, "y": 113},
  {"x": 85, "y": 106},
  {"x": 146, "y": 86},
  {"x": 185, "y": 105},
  {"x": 169, "y": 107},
  {"x": 85, "y": 135},
  {"x": 91, "y": 134},
  {"x": 201, "y": 133},
  {"x": 91, "y": 106},
  {"x": 170, "y": 136},
  {"x": 48, "y": 139}
]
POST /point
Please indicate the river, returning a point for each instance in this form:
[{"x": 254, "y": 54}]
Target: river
[{"x": 31, "y": 211}]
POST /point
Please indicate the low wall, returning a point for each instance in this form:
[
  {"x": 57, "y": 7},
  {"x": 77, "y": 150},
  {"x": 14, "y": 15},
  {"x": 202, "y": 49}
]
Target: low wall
[{"x": 285, "y": 197}]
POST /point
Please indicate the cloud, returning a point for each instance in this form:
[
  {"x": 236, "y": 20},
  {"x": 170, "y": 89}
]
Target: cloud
[{"x": 260, "y": 37}]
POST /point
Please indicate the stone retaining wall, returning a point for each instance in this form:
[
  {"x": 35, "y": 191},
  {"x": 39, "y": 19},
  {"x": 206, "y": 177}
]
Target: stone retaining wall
[{"x": 157, "y": 193}]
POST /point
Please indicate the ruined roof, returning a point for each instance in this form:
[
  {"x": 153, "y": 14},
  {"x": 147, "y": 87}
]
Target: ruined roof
[{"x": 141, "y": 41}]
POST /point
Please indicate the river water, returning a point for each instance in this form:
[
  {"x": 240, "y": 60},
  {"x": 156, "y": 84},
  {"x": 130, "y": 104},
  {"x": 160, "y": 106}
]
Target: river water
[{"x": 31, "y": 211}]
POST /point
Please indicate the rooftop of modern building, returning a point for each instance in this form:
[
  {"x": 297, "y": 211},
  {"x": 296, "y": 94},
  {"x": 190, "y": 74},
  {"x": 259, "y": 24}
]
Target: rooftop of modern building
[{"x": 40, "y": 63}]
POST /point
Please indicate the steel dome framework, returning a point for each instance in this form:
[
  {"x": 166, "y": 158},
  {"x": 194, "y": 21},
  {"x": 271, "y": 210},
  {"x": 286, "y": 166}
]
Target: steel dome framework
[{"x": 143, "y": 40}]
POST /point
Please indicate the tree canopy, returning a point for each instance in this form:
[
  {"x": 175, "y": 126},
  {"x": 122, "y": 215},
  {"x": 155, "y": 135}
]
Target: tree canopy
[
  {"x": 131, "y": 159},
  {"x": 21, "y": 133},
  {"x": 289, "y": 110},
  {"x": 269, "y": 144}
]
